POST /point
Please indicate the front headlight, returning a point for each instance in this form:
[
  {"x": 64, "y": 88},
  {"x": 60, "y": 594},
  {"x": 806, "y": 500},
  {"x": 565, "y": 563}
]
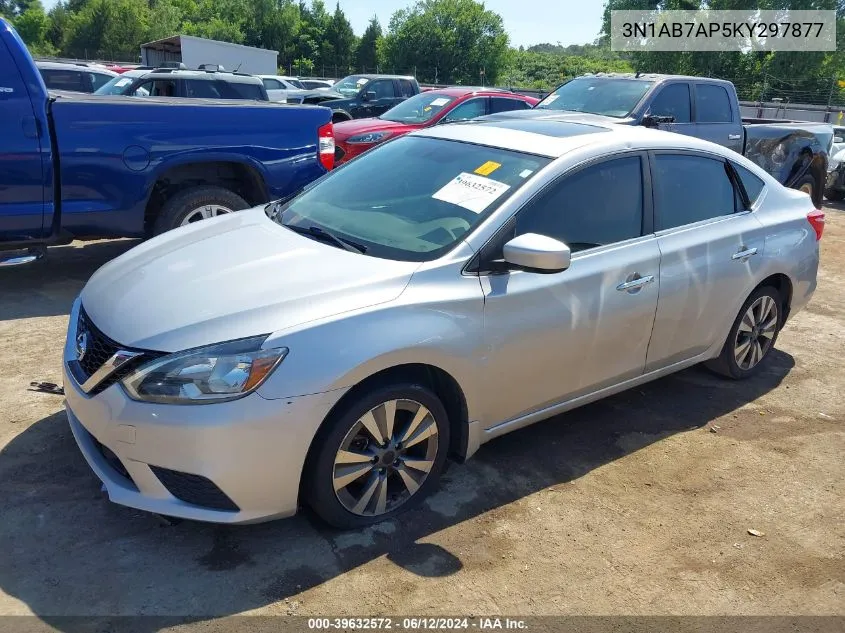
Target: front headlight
[
  {"x": 215, "y": 373},
  {"x": 366, "y": 139}
]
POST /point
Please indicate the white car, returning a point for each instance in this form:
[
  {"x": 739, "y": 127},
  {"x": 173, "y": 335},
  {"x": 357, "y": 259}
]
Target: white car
[{"x": 280, "y": 87}]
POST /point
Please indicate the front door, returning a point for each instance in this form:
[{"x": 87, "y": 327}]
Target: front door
[
  {"x": 712, "y": 252},
  {"x": 552, "y": 337},
  {"x": 674, "y": 100},
  {"x": 381, "y": 97},
  {"x": 22, "y": 173}
]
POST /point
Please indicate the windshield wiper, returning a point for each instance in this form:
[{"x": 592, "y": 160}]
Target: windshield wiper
[{"x": 327, "y": 236}]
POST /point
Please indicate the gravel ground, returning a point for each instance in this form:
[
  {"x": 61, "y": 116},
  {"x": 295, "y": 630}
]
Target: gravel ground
[{"x": 640, "y": 504}]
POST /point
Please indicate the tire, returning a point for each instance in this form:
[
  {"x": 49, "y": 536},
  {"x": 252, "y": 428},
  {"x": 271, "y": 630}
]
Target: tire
[
  {"x": 359, "y": 501},
  {"x": 835, "y": 195},
  {"x": 807, "y": 184},
  {"x": 205, "y": 200},
  {"x": 339, "y": 117},
  {"x": 727, "y": 364}
]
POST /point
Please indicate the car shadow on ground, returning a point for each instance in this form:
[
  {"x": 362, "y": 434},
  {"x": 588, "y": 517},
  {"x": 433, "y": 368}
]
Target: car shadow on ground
[
  {"x": 67, "y": 551},
  {"x": 48, "y": 287}
]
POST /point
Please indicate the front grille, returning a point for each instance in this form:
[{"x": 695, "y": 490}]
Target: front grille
[
  {"x": 99, "y": 349},
  {"x": 194, "y": 489},
  {"x": 339, "y": 153}
]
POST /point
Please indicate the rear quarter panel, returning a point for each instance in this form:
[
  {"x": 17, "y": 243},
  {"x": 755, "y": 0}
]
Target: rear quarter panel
[{"x": 112, "y": 151}]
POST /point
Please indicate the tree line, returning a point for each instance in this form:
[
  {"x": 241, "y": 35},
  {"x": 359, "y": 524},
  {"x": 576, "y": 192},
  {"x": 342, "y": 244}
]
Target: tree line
[{"x": 438, "y": 41}]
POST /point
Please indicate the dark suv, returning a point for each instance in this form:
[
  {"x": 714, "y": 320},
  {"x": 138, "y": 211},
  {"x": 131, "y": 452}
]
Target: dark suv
[
  {"x": 197, "y": 84},
  {"x": 362, "y": 96}
]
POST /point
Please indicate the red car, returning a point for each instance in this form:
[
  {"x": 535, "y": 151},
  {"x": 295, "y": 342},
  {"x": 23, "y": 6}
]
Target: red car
[{"x": 427, "y": 108}]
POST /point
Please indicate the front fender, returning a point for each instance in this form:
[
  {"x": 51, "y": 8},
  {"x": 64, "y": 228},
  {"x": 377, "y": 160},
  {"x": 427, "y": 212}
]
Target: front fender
[{"x": 341, "y": 353}]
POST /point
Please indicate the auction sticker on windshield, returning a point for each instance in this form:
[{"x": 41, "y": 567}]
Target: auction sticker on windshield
[
  {"x": 440, "y": 101},
  {"x": 474, "y": 193}
]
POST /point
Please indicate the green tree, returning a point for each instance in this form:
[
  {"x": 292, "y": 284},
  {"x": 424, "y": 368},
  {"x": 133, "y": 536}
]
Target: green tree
[
  {"x": 367, "y": 52},
  {"x": 32, "y": 25},
  {"x": 450, "y": 41},
  {"x": 341, "y": 39}
]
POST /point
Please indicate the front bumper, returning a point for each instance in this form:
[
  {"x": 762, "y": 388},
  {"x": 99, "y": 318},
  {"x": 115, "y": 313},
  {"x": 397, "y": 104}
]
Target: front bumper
[{"x": 153, "y": 457}]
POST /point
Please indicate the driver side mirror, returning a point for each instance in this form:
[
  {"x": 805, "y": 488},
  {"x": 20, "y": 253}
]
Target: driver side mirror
[
  {"x": 537, "y": 253},
  {"x": 369, "y": 95},
  {"x": 653, "y": 120}
]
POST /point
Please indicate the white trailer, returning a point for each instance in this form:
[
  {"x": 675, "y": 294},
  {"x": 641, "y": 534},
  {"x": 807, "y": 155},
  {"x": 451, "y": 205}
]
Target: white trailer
[{"x": 194, "y": 51}]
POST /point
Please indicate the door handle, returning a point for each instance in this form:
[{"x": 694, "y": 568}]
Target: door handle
[
  {"x": 744, "y": 254},
  {"x": 734, "y": 137},
  {"x": 635, "y": 283}
]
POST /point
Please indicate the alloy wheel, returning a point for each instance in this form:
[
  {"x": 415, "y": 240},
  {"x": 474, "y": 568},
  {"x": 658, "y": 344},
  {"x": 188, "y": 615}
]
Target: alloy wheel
[
  {"x": 756, "y": 332},
  {"x": 204, "y": 213},
  {"x": 385, "y": 457}
]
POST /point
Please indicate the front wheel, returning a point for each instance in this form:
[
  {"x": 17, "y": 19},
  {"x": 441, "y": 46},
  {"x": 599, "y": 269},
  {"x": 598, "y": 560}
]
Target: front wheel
[
  {"x": 807, "y": 184},
  {"x": 381, "y": 455},
  {"x": 834, "y": 194},
  {"x": 752, "y": 336}
]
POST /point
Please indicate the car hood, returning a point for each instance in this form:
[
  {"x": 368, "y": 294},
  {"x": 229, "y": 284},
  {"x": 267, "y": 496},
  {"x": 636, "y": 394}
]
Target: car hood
[
  {"x": 347, "y": 129},
  {"x": 232, "y": 277}
]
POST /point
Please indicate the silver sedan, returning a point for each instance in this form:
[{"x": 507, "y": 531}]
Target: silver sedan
[{"x": 439, "y": 291}]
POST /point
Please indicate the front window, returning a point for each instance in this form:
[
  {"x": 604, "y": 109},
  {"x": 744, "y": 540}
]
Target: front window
[
  {"x": 116, "y": 86},
  {"x": 351, "y": 85},
  {"x": 597, "y": 95},
  {"x": 98, "y": 80},
  {"x": 421, "y": 196},
  {"x": 418, "y": 109}
]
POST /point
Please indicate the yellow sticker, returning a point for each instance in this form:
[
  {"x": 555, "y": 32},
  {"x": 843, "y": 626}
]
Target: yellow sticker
[
  {"x": 487, "y": 168},
  {"x": 426, "y": 109}
]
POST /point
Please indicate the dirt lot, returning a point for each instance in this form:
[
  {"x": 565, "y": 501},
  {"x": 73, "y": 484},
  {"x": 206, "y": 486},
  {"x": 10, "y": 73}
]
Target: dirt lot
[{"x": 629, "y": 506}]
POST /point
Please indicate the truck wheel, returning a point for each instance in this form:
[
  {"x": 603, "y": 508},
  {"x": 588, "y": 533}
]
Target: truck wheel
[
  {"x": 807, "y": 184},
  {"x": 834, "y": 194},
  {"x": 195, "y": 204}
]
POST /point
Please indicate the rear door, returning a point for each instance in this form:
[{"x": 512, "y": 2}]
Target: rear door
[
  {"x": 711, "y": 253},
  {"x": 22, "y": 173},
  {"x": 715, "y": 118}
]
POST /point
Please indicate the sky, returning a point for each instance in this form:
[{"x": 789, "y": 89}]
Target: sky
[{"x": 526, "y": 21}]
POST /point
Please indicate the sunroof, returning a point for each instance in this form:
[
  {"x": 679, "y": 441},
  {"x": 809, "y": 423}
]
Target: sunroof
[{"x": 560, "y": 129}]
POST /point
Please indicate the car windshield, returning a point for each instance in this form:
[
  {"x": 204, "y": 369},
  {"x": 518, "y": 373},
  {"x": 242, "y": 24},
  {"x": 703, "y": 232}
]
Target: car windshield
[
  {"x": 418, "y": 109},
  {"x": 422, "y": 196},
  {"x": 114, "y": 87},
  {"x": 349, "y": 86},
  {"x": 597, "y": 95}
]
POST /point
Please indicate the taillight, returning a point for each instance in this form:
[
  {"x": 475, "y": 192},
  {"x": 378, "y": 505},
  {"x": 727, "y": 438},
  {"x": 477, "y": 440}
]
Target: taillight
[
  {"x": 816, "y": 220},
  {"x": 326, "y": 146}
]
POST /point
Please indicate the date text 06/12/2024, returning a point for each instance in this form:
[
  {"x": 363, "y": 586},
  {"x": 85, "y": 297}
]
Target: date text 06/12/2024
[{"x": 417, "y": 624}]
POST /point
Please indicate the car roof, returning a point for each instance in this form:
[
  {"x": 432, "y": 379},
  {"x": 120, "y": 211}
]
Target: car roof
[
  {"x": 202, "y": 75},
  {"x": 382, "y": 76},
  {"x": 460, "y": 91},
  {"x": 77, "y": 67},
  {"x": 555, "y": 136},
  {"x": 653, "y": 77}
]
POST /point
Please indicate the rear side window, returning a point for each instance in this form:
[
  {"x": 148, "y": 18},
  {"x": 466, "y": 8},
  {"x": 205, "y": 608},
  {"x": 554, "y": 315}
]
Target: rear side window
[
  {"x": 689, "y": 189},
  {"x": 752, "y": 184},
  {"x": 503, "y": 104},
  {"x": 712, "y": 104},
  {"x": 600, "y": 204},
  {"x": 272, "y": 84},
  {"x": 200, "y": 89},
  {"x": 64, "y": 80},
  {"x": 673, "y": 100},
  {"x": 242, "y": 91},
  {"x": 406, "y": 88}
]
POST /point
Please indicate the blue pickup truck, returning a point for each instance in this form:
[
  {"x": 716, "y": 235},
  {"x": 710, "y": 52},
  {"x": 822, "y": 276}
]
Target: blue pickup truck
[{"x": 76, "y": 166}]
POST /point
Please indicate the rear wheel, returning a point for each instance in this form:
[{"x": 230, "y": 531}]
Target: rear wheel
[
  {"x": 380, "y": 456},
  {"x": 752, "y": 336},
  {"x": 807, "y": 184},
  {"x": 834, "y": 194},
  {"x": 195, "y": 204}
]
